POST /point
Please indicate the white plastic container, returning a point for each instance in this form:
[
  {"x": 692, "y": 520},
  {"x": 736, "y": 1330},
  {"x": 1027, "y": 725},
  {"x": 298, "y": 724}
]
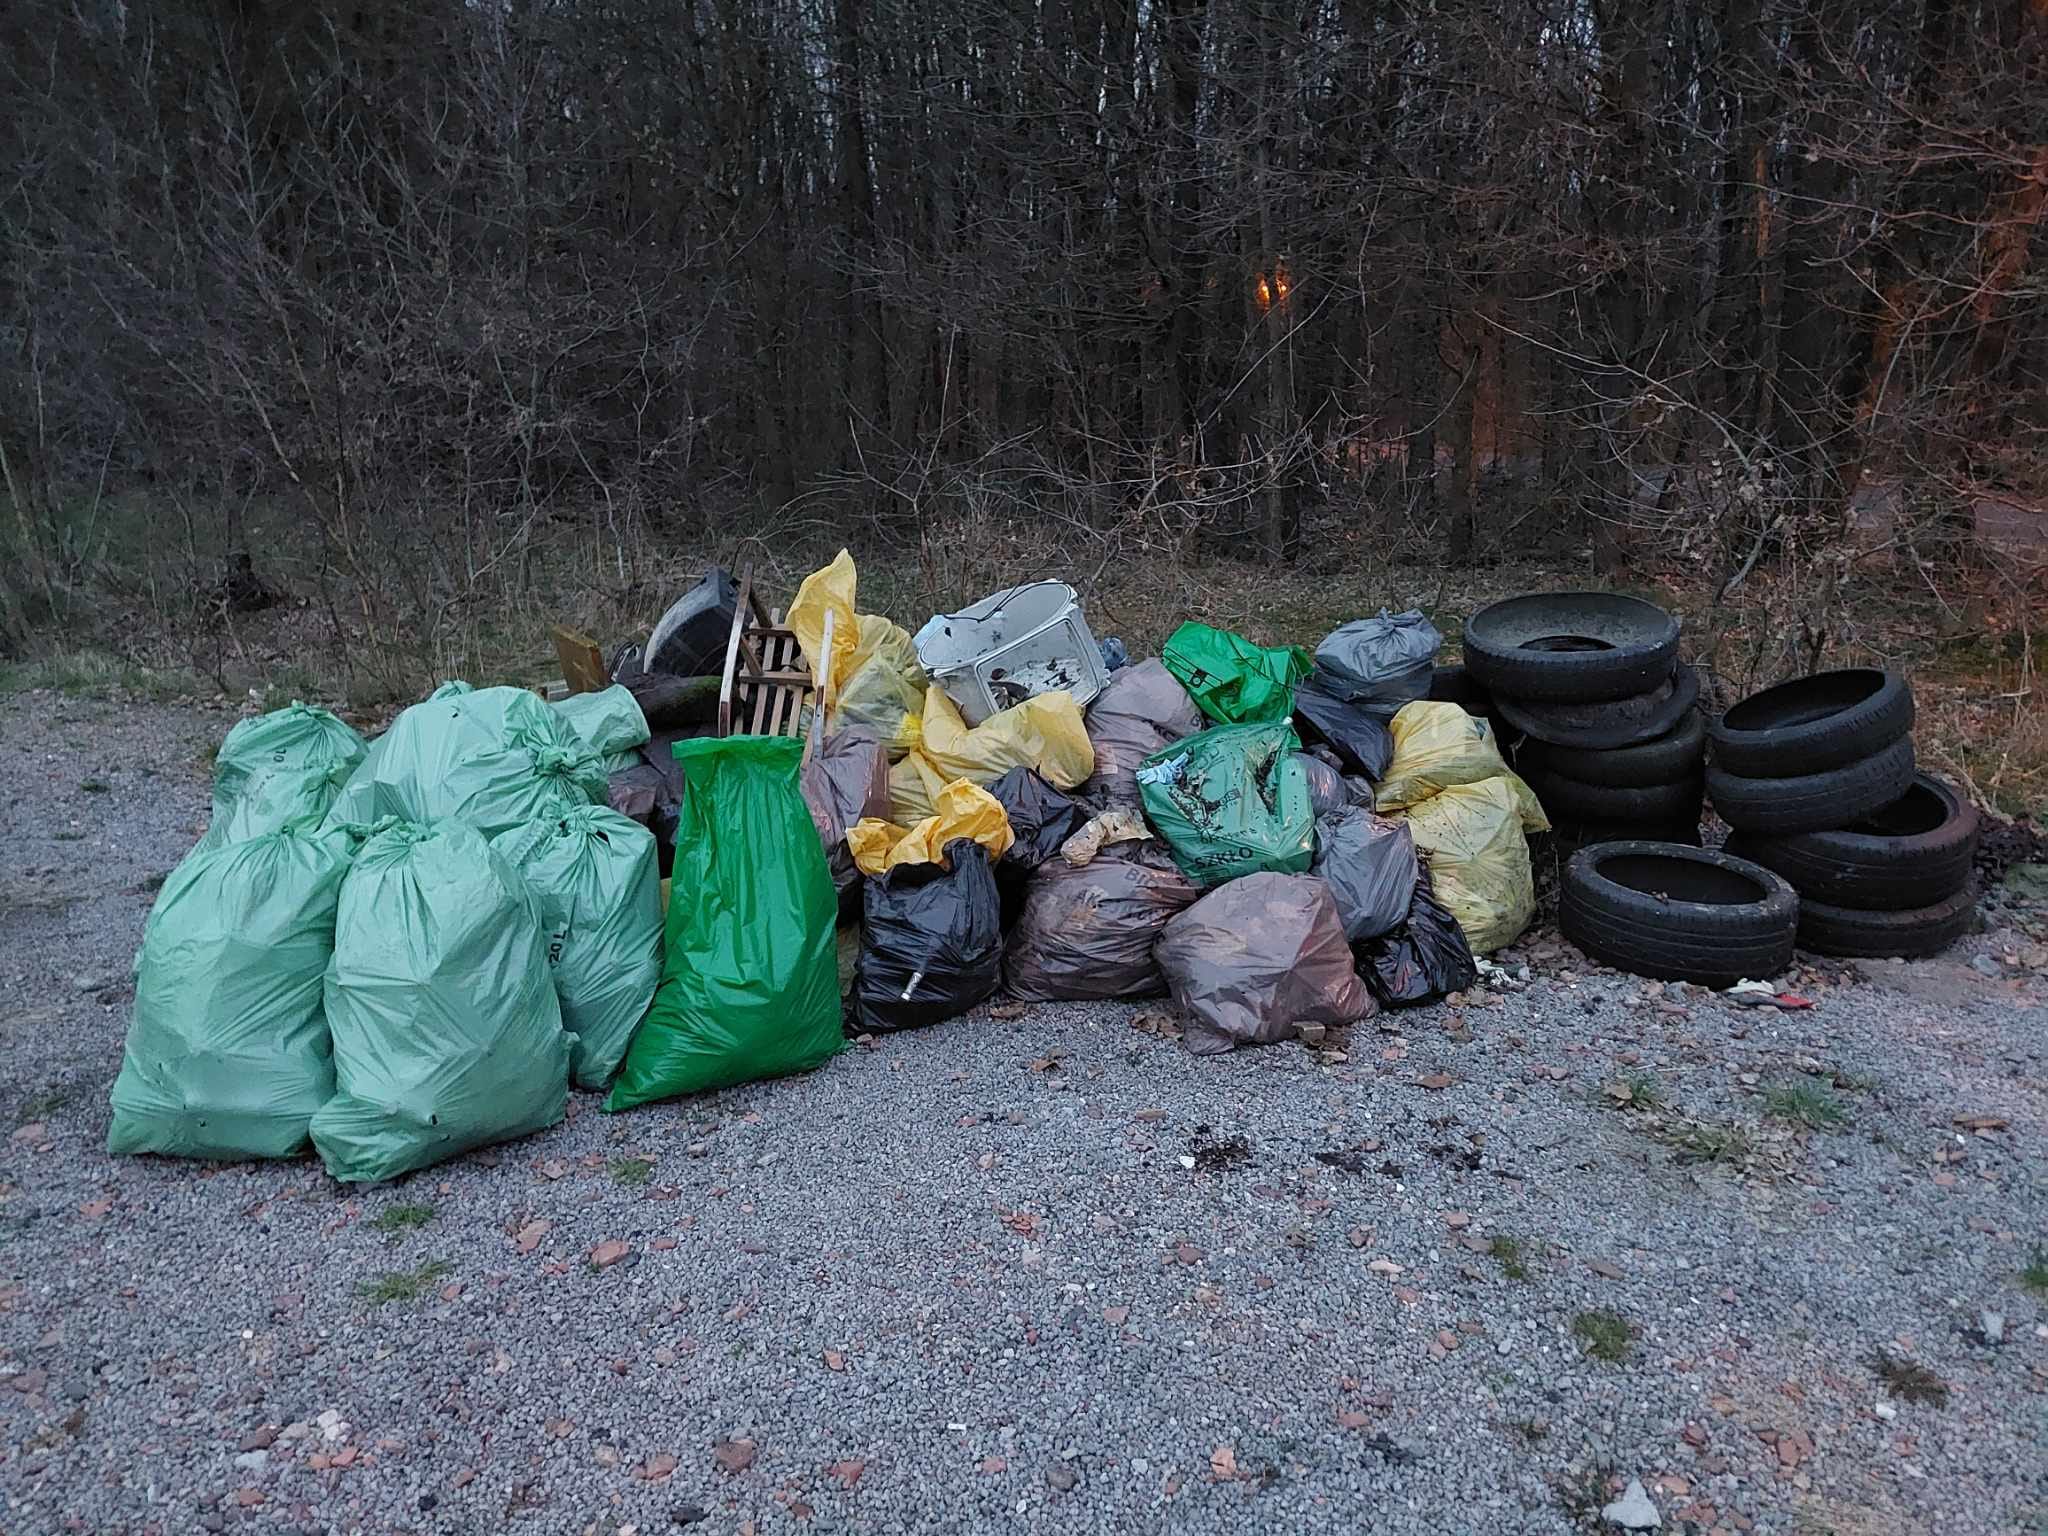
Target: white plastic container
[{"x": 1010, "y": 647}]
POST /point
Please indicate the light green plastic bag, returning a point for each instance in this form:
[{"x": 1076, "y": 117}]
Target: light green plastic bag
[
  {"x": 750, "y": 981},
  {"x": 493, "y": 757},
  {"x": 274, "y": 800},
  {"x": 447, "y": 1034},
  {"x": 228, "y": 1053},
  {"x": 1234, "y": 681},
  {"x": 1230, "y": 801},
  {"x": 608, "y": 722},
  {"x": 297, "y": 739},
  {"x": 599, "y": 885}
]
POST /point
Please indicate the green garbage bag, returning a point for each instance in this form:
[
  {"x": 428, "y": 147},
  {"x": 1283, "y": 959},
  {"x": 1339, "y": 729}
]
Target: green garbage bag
[
  {"x": 750, "y": 981},
  {"x": 447, "y": 1034},
  {"x": 1230, "y": 801},
  {"x": 228, "y": 1054},
  {"x": 493, "y": 757},
  {"x": 1234, "y": 681},
  {"x": 275, "y": 799},
  {"x": 298, "y": 738},
  {"x": 608, "y": 722},
  {"x": 599, "y": 886}
]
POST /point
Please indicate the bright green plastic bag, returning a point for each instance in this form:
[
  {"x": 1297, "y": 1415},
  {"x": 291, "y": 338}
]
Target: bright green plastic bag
[
  {"x": 493, "y": 757},
  {"x": 599, "y": 885},
  {"x": 1234, "y": 681},
  {"x": 750, "y": 982},
  {"x": 608, "y": 722},
  {"x": 228, "y": 1055},
  {"x": 447, "y": 1034},
  {"x": 298, "y": 739},
  {"x": 1232, "y": 800}
]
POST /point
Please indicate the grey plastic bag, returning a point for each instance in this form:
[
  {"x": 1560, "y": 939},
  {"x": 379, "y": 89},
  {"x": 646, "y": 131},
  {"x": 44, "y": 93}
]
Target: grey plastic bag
[
  {"x": 1143, "y": 709},
  {"x": 1326, "y": 791},
  {"x": 846, "y": 780},
  {"x": 1256, "y": 958},
  {"x": 1379, "y": 663},
  {"x": 1369, "y": 864},
  {"x": 1087, "y": 931}
]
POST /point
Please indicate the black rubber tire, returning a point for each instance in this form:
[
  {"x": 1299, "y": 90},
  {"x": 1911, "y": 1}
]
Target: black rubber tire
[
  {"x": 1811, "y": 724},
  {"x": 1730, "y": 919},
  {"x": 1909, "y": 933},
  {"x": 1912, "y": 852},
  {"x": 1570, "y": 647},
  {"x": 1454, "y": 685},
  {"x": 1677, "y": 754},
  {"x": 1648, "y": 804},
  {"x": 1612, "y": 724},
  {"x": 1837, "y": 797},
  {"x": 1574, "y": 835}
]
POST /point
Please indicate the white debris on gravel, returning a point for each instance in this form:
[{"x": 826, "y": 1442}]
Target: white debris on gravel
[{"x": 962, "y": 1279}]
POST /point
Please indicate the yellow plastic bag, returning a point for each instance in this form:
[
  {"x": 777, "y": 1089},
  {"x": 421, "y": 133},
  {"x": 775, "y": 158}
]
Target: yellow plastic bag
[
  {"x": 962, "y": 810},
  {"x": 884, "y": 690},
  {"x": 1478, "y": 855},
  {"x": 1436, "y": 745},
  {"x": 829, "y": 590},
  {"x": 1043, "y": 733},
  {"x": 877, "y": 681}
]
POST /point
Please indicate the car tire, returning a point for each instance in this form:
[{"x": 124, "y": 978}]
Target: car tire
[
  {"x": 1679, "y": 753},
  {"x": 1811, "y": 724},
  {"x": 1907, "y": 854},
  {"x": 1908, "y": 933},
  {"x": 1678, "y": 913},
  {"x": 1835, "y": 797},
  {"x": 1570, "y": 647},
  {"x": 1644, "y": 804},
  {"x": 1612, "y": 723}
]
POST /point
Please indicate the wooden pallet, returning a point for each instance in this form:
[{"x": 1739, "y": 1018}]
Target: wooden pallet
[{"x": 766, "y": 682}]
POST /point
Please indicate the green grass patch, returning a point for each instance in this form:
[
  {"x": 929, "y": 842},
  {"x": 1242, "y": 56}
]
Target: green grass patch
[
  {"x": 67, "y": 835},
  {"x": 1603, "y": 1334},
  {"x": 633, "y": 1172},
  {"x": 2035, "y": 1276},
  {"x": 403, "y": 1284},
  {"x": 1705, "y": 1142},
  {"x": 95, "y": 786},
  {"x": 1508, "y": 1253},
  {"x": 97, "y": 675},
  {"x": 1636, "y": 1091},
  {"x": 1806, "y": 1104},
  {"x": 401, "y": 1218}
]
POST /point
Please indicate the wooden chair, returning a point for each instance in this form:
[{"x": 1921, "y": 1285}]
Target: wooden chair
[{"x": 766, "y": 682}]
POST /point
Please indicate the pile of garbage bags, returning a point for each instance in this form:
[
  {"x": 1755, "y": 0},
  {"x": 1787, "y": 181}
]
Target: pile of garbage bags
[
  {"x": 401, "y": 950},
  {"x": 394, "y": 951}
]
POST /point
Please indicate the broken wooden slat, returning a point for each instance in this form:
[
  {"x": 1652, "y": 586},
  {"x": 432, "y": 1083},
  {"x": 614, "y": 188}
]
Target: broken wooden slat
[{"x": 583, "y": 667}]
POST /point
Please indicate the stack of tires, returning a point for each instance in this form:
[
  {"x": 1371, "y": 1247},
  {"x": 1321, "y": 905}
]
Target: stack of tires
[
  {"x": 1816, "y": 777},
  {"x": 1611, "y": 737}
]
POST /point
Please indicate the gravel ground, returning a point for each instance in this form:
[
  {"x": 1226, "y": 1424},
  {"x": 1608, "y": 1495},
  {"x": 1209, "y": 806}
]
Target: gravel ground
[{"x": 963, "y": 1279}]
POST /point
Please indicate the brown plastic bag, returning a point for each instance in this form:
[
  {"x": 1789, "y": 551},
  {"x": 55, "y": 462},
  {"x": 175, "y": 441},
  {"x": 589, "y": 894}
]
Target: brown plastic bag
[
  {"x": 1143, "y": 709},
  {"x": 1086, "y": 933},
  {"x": 1255, "y": 958}
]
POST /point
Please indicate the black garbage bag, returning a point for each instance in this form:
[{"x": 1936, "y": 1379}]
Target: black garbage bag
[
  {"x": 1379, "y": 663},
  {"x": 931, "y": 941},
  {"x": 1041, "y": 819},
  {"x": 1424, "y": 958},
  {"x": 1369, "y": 863},
  {"x": 1361, "y": 740}
]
